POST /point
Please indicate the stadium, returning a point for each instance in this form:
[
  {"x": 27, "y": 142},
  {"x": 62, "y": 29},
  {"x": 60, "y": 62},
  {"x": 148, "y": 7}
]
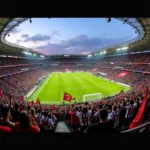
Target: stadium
[{"x": 74, "y": 83}]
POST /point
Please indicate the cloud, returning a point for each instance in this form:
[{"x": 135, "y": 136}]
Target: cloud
[
  {"x": 15, "y": 30},
  {"x": 80, "y": 44},
  {"x": 35, "y": 38},
  {"x": 25, "y": 36},
  {"x": 54, "y": 33}
]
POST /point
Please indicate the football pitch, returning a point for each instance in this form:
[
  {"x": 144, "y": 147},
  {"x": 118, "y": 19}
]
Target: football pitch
[{"x": 52, "y": 90}]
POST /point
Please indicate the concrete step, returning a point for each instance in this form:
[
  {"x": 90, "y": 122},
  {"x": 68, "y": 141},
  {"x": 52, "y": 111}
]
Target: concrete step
[{"x": 61, "y": 127}]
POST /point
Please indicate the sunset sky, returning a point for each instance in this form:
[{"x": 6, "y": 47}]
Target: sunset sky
[{"x": 70, "y": 35}]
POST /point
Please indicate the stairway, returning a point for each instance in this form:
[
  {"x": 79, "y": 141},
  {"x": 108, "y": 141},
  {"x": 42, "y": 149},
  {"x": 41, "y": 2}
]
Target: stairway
[{"x": 62, "y": 128}]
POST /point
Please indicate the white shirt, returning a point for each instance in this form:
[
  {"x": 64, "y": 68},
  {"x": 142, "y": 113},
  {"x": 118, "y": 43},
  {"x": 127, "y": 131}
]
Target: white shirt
[
  {"x": 114, "y": 116},
  {"x": 54, "y": 118},
  {"x": 80, "y": 115},
  {"x": 128, "y": 109},
  {"x": 111, "y": 116},
  {"x": 48, "y": 121}
]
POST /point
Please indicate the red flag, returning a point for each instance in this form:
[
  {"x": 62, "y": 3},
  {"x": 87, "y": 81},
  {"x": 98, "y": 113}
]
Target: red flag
[
  {"x": 53, "y": 106},
  {"x": 102, "y": 101},
  {"x": 1, "y": 92},
  {"x": 140, "y": 115},
  {"x": 21, "y": 98},
  {"x": 38, "y": 101},
  {"x": 31, "y": 103},
  {"x": 67, "y": 97},
  {"x": 121, "y": 91}
]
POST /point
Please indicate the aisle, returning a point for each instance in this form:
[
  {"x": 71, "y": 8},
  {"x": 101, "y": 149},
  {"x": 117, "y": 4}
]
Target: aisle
[{"x": 61, "y": 127}]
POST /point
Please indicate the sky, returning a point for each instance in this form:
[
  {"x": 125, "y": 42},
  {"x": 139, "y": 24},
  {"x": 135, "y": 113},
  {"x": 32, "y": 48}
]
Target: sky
[{"x": 70, "y": 35}]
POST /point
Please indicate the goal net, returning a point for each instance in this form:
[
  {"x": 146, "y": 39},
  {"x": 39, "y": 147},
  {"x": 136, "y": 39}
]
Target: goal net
[{"x": 92, "y": 97}]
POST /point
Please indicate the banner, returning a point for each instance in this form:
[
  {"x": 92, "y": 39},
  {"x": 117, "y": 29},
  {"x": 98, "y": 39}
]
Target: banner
[
  {"x": 122, "y": 74},
  {"x": 67, "y": 69},
  {"x": 94, "y": 69}
]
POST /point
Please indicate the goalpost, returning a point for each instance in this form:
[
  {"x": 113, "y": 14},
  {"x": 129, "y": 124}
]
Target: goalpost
[{"x": 92, "y": 97}]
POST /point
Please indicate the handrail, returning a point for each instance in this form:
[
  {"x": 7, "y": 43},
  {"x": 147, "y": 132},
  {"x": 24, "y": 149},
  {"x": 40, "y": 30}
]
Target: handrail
[{"x": 137, "y": 128}]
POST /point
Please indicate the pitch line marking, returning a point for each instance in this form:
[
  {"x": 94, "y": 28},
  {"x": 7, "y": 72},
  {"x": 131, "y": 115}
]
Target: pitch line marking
[
  {"x": 79, "y": 88},
  {"x": 41, "y": 88}
]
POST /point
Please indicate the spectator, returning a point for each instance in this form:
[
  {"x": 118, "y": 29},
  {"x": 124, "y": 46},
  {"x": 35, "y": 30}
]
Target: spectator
[
  {"x": 104, "y": 125},
  {"x": 5, "y": 120},
  {"x": 26, "y": 123},
  {"x": 53, "y": 117},
  {"x": 93, "y": 117},
  {"x": 129, "y": 113},
  {"x": 1, "y": 105},
  {"x": 74, "y": 120},
  {"x": 46, "y": 123},
  {"x": 33, "y": 114},
  {"x": 15, "y": 113},
  {"x": 122, "y": 115},
  {"x": 84, "y": 118},
  {"x": 114, "y": 116}
]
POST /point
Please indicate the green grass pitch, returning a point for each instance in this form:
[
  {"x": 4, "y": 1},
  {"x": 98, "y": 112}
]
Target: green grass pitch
[{"x": 77, "y": 84}]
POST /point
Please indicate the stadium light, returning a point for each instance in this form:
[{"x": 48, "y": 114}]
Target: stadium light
[
  {"x": 89, "y": 55},
  {"x": 108, "y": 19},
  {"x": 124, "y": 48},
  {"x": 118, "y": 49},
  {"x": 27, "y": 53},
  {"x": 42, "y": 56}
]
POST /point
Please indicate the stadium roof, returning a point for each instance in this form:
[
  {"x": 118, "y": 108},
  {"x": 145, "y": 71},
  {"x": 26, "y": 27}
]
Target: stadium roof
[
  {"x": 144, "y": 42},
  {"x": 6, "y": 48},
  {"x": 140, "y": 43}
]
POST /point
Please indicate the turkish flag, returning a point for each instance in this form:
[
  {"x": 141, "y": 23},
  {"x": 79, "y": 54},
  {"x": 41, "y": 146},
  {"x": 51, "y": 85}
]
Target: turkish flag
[
  {"x": 121, "y": 91},
  {"x": 67, "y": 97},
  {"x": 1, "y": 92},
  {"x": 31, "y": 103},
  {"x": 141, "y": 113},
  {"x": 38, "y": 101},
  {"x": 21, "y": 98}
]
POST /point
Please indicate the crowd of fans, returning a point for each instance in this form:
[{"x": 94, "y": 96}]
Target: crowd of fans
[
  {"x": 111, "y": 115},
  {"x": 144, "y": 57},
  {"x": 21, "y": 83},
  {"x": 9, "y": 70}
]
